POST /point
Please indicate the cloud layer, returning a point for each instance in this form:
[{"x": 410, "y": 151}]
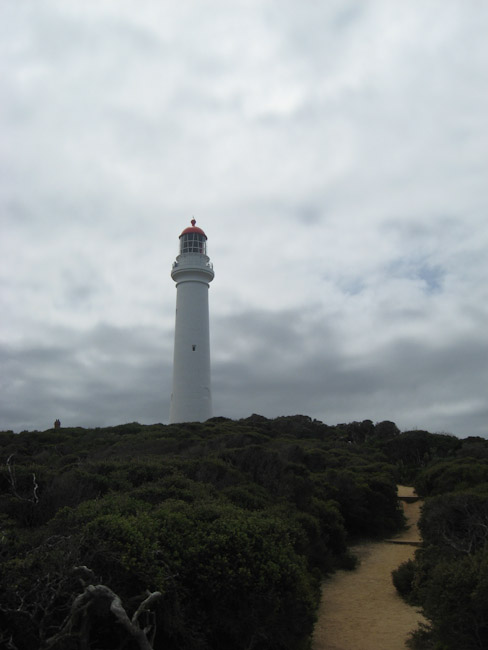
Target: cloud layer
[{"x": 335, "y": 154}]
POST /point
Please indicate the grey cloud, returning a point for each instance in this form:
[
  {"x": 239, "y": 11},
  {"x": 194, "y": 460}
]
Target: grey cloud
[
  {"x": 340, "y": 175},
  {"x": 401, "y": 381},
  {"x": 273, "y": 363},
  {"x": 106, "y": 375}
]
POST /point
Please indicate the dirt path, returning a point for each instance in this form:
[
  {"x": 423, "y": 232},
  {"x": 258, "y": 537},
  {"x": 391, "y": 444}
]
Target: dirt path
[{"x": 360, "y": 609}]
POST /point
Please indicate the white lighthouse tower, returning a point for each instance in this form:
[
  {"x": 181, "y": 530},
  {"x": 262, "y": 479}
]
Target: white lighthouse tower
[{"x": 191, "y": 399}]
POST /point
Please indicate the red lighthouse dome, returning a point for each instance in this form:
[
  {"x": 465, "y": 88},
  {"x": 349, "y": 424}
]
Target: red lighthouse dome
[{"x": 193, "y": 229}]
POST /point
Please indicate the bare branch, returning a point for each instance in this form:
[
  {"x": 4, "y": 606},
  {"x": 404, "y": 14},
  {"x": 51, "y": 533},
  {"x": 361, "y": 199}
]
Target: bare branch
[
  {"x": 150, "y": 629},
  {"x": 13, "y": 483},
  {"x": 79, "y": 615},
  {"x": 85, "y": 574},
  {"x": 144, "y": 606},
  {"x": 11, "y": 472},
  {"x": 35, "y": 498}
]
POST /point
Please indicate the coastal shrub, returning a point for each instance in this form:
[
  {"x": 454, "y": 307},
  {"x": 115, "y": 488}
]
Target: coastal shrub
[
  {"x": 231, "y": 525},
  {"x": 403, "y": 578}
]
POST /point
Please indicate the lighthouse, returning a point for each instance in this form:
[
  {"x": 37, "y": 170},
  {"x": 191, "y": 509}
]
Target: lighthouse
[{"x": 191, "y": 399}]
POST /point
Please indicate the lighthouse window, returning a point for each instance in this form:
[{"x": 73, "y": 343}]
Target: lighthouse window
[{"x": 193, "y": 242}]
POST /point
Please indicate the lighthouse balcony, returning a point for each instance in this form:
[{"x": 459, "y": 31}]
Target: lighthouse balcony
[
  {"x": 193, "y": 260},
  {"x": 192, "y": 267}
]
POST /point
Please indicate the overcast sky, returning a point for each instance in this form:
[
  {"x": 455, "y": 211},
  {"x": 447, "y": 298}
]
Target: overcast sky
[{"x": 336, "y": 154}]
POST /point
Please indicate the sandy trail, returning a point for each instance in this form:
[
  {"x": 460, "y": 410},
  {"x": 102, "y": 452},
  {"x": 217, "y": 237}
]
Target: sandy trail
[{"x": 360, "y": 609}]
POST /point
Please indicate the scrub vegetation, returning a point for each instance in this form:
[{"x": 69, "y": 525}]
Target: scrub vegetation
[
  {"x": 448, "y": 578},
  {"x": 193, "y": 536}
]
